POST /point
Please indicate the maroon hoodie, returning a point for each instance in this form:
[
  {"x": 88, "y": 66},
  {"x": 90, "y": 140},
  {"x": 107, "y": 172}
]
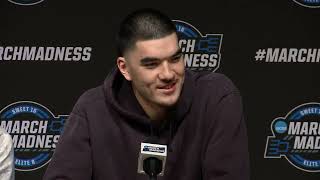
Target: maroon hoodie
[{"x": 205, "y": 133}]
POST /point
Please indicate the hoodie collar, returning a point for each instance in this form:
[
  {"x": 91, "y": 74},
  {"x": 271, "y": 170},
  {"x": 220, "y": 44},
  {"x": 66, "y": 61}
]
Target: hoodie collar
[{"x": 120, "y": 96}]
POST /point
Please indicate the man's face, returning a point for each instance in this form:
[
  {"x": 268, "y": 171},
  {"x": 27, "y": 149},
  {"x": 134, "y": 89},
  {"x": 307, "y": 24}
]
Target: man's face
[{"x": 156, "y": 69}]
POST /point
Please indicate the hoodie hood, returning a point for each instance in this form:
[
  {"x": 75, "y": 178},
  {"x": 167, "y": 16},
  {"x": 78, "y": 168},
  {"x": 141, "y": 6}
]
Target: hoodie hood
[{"x": 122, "y": 99}]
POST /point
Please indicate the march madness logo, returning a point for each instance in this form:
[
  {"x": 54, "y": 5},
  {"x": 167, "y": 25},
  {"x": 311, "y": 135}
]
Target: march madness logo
[
  {"x": 34, "y": 131},
  {"x": 201, "y": 53},
  {"x": 309, "y": 3},
  {"x": 297, "y": 137},
  {"x": 26, "y": 2}
]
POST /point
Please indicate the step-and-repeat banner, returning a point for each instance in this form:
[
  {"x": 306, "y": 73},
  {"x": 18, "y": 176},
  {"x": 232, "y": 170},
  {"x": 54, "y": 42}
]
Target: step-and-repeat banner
[{"x": 52, "y": 51}]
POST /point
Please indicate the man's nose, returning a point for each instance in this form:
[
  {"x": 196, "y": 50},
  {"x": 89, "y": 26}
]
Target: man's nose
[{"x": 166, "y": 72}]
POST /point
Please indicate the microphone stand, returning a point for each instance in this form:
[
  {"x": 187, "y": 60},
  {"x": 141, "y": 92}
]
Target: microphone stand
[{"x": 152, "y": 166}]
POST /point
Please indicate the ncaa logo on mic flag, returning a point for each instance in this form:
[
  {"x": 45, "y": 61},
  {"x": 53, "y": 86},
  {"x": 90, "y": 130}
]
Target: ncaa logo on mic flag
[
  {"x": 154, "y": 149},
  {"x": 309, "y": 3},
  {"x": 201, "y": 52},
  {"x": 297, "y": 137},
  {"x": 26, "y": 2},
  {"x": 35, "y": 130}
]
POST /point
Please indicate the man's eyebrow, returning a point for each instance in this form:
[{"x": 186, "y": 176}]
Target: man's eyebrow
[
  {"x": 147, "y": 60},
  {"x": 178, "y": 52}
]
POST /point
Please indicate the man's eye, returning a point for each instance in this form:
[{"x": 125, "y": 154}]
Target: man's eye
[
  {"x": 151, "y": 65},
  {"x": 176, "y": 58}
]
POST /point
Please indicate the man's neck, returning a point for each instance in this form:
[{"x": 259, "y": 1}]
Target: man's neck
[{"x": 154, "y": 112}]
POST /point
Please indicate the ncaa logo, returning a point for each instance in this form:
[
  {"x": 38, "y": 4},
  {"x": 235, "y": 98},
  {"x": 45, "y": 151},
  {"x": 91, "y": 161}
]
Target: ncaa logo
[
  {"x": 201, "y": 52},
  {"x": 26, "y": 2},
  {"x": 35, "y": 130},
  {"x": 296, "y": 137},
  {"x": 309, "y": 3}
]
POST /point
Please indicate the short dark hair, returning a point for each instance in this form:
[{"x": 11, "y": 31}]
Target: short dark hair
[{"x": 143, "y": 24}]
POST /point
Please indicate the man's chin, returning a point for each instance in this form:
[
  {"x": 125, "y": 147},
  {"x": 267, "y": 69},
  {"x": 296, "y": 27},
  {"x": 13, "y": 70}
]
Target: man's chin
[{"x": 168, "y": 102}]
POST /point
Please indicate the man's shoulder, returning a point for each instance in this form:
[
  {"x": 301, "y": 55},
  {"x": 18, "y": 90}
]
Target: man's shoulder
[
  {"x": 5, "y": 138},
  {"x": 91, "y": 96},
  {"x": 2, "y": 131},
  {"x": 213, "y": 82}
]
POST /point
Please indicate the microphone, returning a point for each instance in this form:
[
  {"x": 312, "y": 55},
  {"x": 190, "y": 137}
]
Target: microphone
[{"x": 152, "y": 160}]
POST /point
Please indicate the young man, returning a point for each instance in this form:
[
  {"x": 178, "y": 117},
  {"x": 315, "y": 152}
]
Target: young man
[
  {"x": 6, "y": 156},
  {"x": 150, "y": 94}
]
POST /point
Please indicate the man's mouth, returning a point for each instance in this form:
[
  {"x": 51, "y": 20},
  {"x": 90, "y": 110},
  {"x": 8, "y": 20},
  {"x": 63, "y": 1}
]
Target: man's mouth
[
  {"x": 168, "y": 86},
  {"x": 168, "y": 89}
]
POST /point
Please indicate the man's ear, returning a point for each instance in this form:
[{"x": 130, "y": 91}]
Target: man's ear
[{"x": 123, "y": 67}]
